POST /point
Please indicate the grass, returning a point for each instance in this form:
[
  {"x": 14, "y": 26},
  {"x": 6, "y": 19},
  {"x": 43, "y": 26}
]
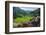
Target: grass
[{"x": 23, "y": 19}]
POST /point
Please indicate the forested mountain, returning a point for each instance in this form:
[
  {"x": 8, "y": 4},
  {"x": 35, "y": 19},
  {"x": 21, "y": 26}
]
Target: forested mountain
[
  {"x": 35, "y": 13},
  {"x": 18, "y": 12}
]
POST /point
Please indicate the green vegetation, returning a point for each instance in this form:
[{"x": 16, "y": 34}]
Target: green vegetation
[
  {"x": 23, "y": 19},
  {"x": 21, "y": 16}
]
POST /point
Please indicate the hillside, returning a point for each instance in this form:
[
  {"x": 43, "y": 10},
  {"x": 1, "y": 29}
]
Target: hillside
[{"x": 19, "y": 12}]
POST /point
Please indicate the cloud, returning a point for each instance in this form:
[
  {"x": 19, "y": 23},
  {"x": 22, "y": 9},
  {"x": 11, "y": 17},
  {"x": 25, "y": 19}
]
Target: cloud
[{"x": 28, "y": 8}]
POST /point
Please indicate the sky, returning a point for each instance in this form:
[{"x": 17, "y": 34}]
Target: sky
[{"x": 28, "y": 8}]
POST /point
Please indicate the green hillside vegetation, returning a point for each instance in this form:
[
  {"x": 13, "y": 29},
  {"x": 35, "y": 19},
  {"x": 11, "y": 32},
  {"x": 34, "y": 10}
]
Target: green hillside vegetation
[{"x": 23, "y": 19}]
